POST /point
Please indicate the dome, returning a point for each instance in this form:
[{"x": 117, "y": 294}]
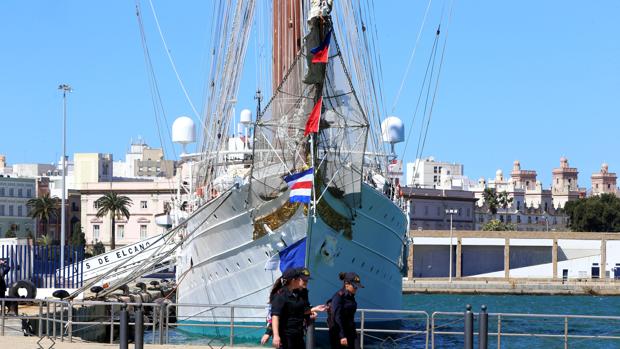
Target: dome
[
  {"x": 393, "y": 130},
  {"x": 516, "y": 163},
  {"x": 245, "y": 117},
  {"x": 499, "y": 173},
  {"x": 604, "y": 167},
  {"x": 183, "y": 130}
]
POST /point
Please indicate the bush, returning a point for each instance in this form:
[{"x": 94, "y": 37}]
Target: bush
[{"x": 98, "y": 248}]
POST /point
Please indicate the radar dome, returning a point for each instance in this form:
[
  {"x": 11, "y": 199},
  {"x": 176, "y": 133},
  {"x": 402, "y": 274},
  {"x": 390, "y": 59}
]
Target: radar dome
[
  {"x": 393, "y": 130},
  {"x": 245, "y": 117},
  {"x": 183, "y": 131}
]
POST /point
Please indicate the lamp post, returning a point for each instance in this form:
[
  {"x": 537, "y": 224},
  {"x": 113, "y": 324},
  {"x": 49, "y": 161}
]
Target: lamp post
[
  {"x": 451, "y": 212},
  {"x": 64, "y": 88}
]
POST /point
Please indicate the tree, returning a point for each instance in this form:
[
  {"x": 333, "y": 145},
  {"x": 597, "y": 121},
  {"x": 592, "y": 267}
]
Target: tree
[
  {"x": 45, "y": 240},
  {"x": 504, "y": 201},
  {"x": 98, "y": 248},
  {"x": 11, "y": 233},
  {"x": 497, "y": 225},
  {"x": 77, "y": 237},
  {"x": 114, "y": 205},
  {"x": 595, "y": 214},
  {"x": 43, "y": 208},
  {"x": 490, "y": 199}
]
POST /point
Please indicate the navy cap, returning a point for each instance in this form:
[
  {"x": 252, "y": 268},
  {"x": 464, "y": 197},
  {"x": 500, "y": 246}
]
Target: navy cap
[
  {"x": 353, "y": 279},
  {"x": 294, "y": 273}
]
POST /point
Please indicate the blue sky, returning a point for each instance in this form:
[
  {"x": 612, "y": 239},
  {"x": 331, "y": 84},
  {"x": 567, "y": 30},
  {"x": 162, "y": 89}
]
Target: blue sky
[{"x": 527, "y": 80}]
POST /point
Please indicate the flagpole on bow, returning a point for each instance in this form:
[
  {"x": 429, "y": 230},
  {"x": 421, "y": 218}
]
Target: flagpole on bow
[{"x": 313, "y": 175}]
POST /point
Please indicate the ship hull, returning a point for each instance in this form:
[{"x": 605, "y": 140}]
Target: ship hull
[{"x": 223, "y": 263}]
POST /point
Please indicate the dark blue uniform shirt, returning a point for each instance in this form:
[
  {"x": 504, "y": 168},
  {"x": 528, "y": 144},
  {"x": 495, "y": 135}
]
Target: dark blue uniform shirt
[
  {"x": 343, "y": 308},
  {"x": 291, "y": 307}
]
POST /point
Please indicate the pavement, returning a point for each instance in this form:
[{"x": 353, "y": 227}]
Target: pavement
[{"x": 16, "y": 342}]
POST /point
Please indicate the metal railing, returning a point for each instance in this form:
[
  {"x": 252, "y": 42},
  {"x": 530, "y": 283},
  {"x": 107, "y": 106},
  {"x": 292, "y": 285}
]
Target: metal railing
[
  {"x": 80, "y": 320},
  {"x": 555, "y": 327}
]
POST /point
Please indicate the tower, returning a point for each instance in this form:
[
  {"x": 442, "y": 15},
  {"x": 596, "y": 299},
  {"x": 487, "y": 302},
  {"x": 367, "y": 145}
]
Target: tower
[{"x": 604, "y": 182}]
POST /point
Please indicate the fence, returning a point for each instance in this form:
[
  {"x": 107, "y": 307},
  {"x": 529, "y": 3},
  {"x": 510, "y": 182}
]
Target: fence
[
  {"x": 41, "y": 265},
  {"x": 85, "y": 320}
]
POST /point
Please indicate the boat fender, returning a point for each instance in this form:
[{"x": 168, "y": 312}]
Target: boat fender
[
  {"x": 29, "y": 287},
  {"x": 60, "y": 294}
]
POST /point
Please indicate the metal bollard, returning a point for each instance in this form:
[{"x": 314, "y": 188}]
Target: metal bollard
[
  {"x": 310, "y": 335},
  {"x": 139, "y": 327},
  {"x": 483, "y": 328},
  {"x": 123, "y": 327},
  {"x": 469, "y": 328}
]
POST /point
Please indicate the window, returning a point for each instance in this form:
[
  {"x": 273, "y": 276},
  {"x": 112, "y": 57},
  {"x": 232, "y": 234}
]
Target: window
[
  {"x": 29, "y": 193},
  {"x": 11, "y": 192},
  {"x": 96, "y": 205},
  {"x": 518, "y": 205},
  {"x": 10, "y": 210},
  {"x": 20, "y": 192},
  {"x": 426, "y": 210},
  {"x": 143, "y": 204},
  {"x": 468, "y": 212},
  {"x": 529, "y": 219},
  {"x": 597, "y": 186},
  {"x": 96, "y": 232},
  {"x": 1, "y": 210},
  {"x": 509, "y": 219},
  {"x": 2, "y": 193},
  {"x": 518, "y": 219},
  {"x": 143, "y": 231},
  {"x": 120, "y": 231},
  {"x": 19, "y": 211}
]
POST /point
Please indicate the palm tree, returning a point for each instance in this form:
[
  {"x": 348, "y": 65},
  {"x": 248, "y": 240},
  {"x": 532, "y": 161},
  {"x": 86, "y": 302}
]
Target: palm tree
[
  {"x": 504, "y": 201},
  {"x": 43, "y": 208},
  {"x": 490, "y": 199},
  {"x": 115, "y": 205}
]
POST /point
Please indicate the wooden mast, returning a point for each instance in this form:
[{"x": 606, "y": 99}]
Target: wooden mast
[{"x": 286, "y": 37}]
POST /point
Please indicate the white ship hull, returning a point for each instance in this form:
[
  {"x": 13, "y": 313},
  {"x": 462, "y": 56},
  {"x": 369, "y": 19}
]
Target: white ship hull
[{"x": 222, "y": 263}]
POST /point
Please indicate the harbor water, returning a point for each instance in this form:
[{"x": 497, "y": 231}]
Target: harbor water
[{"x": 505, "y": 304}]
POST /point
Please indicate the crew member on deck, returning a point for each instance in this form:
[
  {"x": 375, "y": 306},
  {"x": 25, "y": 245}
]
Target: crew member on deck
[
  {"x": 290, "y": 309},
  {"x": 341, "y": 318}
]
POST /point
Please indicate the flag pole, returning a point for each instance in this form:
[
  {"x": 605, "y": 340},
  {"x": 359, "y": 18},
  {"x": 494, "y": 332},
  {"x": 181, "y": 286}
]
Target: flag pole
[{"x": 313, "y": 174}]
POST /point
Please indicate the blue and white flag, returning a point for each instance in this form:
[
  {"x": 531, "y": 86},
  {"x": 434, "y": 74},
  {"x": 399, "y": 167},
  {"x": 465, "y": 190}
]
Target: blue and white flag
[
  {"x": 293, "y": 256},
  {"x": 301, "y": 185}
]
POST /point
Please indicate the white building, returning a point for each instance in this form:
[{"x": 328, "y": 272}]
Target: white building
[
  {"x": 143, "y": 161},
  {"x": 428, "y": 173},
  {"x": 149, "y": 198}
]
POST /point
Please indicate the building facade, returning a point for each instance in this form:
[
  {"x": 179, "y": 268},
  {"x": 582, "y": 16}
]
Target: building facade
[
  {"x": 604, "y": 182},
  {"x": 14, "y": 196},
  {"x": 427, "y": 208},
  {"x": 428, "y": 173},
  {"x": 149, "y": 199}
]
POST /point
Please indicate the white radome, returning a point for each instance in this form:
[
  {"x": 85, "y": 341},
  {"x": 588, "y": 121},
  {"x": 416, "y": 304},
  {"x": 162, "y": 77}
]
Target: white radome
[
  {"x": 245, "y": 117},
  {"x": 183, "y": 130},
  {"x": 393, "y": 130}
]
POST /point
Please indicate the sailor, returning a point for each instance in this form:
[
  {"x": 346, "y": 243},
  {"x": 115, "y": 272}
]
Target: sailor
[
  {"x": 290, "y": 309},
  {"x": 277, "y": 285},
  {"x": 4, "y": 269},
  {"x": 341, "y": 316}
]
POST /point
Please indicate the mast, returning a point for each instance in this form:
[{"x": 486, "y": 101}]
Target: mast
[{"x": 287, "y": 33}]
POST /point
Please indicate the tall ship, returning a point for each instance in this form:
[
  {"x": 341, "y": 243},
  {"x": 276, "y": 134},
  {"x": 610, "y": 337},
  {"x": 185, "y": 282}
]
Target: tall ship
[
  {"x": 350, "y": 223},
  {"x": 321, "y": 129}
]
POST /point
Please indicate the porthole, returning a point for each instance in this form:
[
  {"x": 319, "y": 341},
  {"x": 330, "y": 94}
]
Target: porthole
[
  {"x": 228, "y": 271},
  {"x": 238, "y": 265},
  {"x": 215, "y": 216},
  {"x": 267, "y": 253},
  {"x": 217, "y": 275},
  {"x": 385, "y": 215},
  {"x": 372, "y": 269},
  {"x": 363, "y": 264},
  {"x": 353, "y": 260},
  {"x": 370, "y": 208},
  {"x": 250, "y": 261}
]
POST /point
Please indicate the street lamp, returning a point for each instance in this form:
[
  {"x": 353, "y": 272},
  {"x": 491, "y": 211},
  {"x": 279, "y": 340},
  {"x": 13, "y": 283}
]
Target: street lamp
[
  {"x": 64, "y": 88},
  {"x": 451, "y": 212}
]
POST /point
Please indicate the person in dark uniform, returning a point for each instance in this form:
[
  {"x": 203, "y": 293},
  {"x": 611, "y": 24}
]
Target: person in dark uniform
[
  {"x": 341, "y": 319},
  {"x": 4, "y": 269},
  {"x": 290, "y": 310},
  {"x": 277, "y": 285}
]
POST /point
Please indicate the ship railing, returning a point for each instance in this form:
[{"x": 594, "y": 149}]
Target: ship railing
[{"x": 528, "y": 330}]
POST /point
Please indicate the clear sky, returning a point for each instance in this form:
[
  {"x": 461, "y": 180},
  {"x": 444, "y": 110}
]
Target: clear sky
[{"x": 527, "y": 80}]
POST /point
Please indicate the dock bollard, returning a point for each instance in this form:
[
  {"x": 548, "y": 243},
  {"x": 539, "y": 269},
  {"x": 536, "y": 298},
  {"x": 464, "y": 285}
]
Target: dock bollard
[
  {"x": 309, "y": 335},
  {"x": 139, "y": 327},
  {"x": 123, "y": 327},
  {"x": 469, "y": 328},
  {"x": 483, "y": 328}
]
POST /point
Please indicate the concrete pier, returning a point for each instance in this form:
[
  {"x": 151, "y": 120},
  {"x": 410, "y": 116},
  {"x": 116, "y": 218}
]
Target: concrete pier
[{"x": 512, "y": 286}]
